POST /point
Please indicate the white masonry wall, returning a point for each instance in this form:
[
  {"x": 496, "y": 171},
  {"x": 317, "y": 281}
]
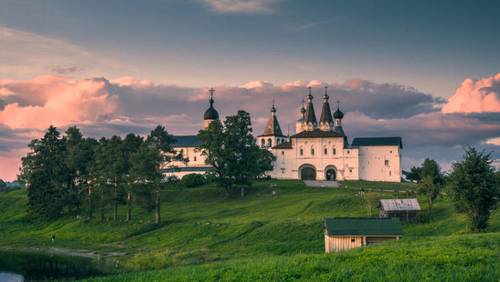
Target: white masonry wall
[
  {"x": 380, "y": 163},
  {"x": 328, "y": 152}
]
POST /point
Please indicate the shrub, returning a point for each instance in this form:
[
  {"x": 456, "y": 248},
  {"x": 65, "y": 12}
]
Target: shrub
[
  {"x": 193, "y": 180},
  {"x": 173, "y": 179}
]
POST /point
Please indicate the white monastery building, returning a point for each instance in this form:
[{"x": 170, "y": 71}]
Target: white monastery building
[{"x": 317, "y": 151}]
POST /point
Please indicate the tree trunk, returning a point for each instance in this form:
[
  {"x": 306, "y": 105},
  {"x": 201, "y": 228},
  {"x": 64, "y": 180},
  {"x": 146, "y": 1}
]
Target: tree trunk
[
  {"x": 115, "y": 208},
  {"x": 129, "y": 206},
  {"x": 90, "y": 202},
  {"x": 102, "y": 208},
  {"x": 430, "y": 207},
  {"x": 242, "y": 190},
  {"x": 158, "y": 220}
]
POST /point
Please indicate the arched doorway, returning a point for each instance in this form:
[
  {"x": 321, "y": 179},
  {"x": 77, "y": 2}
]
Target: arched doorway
[
  {"x": 307, "y": 172},
  {"x": 330, "y": 174}
]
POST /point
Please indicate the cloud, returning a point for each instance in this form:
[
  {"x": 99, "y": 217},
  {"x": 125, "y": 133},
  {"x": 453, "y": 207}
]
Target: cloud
[
  {"x": 241, "y": 6},
  {"x": 25, "y": 55},
  {"x": 475, "y": 96},
  {"x": 65, "y": 70},
  {"x": 56, "y": 100},
  {"x": 102, "y": 107}
]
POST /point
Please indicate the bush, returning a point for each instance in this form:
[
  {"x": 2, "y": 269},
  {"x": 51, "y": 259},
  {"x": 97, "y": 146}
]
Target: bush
[
  {"x": 173, "y": 179},
  {"x": 193, "y": 180}
]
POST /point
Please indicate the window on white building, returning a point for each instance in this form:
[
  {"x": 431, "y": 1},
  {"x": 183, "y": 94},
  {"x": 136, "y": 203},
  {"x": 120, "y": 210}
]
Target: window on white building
[
  {"x": 334, "y": 151},
  {"x": 326, "y": 151},
  {"x": 263, "y": 142},
  {"x": 312, "y": 151},
  {"x": 350, "y": 170},
  {"x": 301, "y": 151},
  {"x": 194, "y": 158},
  {"x": 282, "y": 153},
  {"x": 386, "y": 162},
  {"x": 269, "y": 142}
]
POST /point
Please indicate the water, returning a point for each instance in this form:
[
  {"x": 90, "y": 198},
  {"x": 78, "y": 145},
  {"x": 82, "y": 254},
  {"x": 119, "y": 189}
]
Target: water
[
  {"x": 11, "y": 277},
  {"x": 21, "y": 265}
]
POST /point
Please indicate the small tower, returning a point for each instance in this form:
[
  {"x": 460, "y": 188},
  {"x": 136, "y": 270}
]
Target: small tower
[
  {"x": 272, "y": 135},
  {"x": 299, "y": 125},
  {"x": 210, "y": 114},
  {"x": 310, "y": 122},
  {"x": 326, "y": 121},
  {"x": 338, "y": 115}
]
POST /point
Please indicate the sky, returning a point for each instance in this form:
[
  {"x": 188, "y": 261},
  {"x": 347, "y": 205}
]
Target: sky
[{"x": 428, "y": 71}]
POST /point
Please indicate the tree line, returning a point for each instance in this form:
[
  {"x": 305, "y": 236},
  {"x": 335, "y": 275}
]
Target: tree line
[
  {"x": 69, "y": 174},
  {"x": 473, "y": 183}
]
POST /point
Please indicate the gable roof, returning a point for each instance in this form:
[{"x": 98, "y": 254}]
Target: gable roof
[
  {"x": 377, "y": 141},
  {"x": 363, "y": 226},
  {"x": 399, "y": 205},
  {"x": 187, "y": 141}
]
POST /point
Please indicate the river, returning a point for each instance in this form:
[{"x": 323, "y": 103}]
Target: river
[{"x": 10, "y": 277}]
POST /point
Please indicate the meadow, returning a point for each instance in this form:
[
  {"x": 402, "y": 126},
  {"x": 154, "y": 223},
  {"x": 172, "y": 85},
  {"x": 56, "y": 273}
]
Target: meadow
[{"x": 206, "y": 236}]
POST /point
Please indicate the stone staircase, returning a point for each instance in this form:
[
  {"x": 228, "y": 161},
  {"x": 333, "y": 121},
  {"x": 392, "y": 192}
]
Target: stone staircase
[{"x": 322, "y": 183}]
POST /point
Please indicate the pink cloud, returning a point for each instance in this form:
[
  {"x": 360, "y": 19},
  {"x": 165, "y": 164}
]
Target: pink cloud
[
  {"x": 56, "y": 100},
  {"x": 475, "y": 96}
]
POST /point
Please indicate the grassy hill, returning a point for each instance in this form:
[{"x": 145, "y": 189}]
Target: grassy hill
[{"x": 206, "y": 236}]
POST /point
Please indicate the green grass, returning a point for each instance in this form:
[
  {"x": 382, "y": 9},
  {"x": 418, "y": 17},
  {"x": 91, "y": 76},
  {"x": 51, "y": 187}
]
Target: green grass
[{"x": 206, "y": 234}]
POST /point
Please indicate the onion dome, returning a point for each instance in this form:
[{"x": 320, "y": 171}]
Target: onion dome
[
  {"x": 211, "y": 113},
  {"x": 338, "y": 113}
]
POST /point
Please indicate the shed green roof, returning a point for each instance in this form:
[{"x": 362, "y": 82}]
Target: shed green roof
[
  {"x": 363, "y": 226},
  {"x": 187, "y": 141},
  {"x": 377, "y": 141}
]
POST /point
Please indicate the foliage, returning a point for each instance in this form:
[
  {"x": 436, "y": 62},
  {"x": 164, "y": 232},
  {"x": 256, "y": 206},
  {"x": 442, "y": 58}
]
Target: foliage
[
  {"x": 232, "y": 152},
  {"x": 3, "y": 185},
  {"x": 475, "y": 187},
  {"x": 46, "y": 176},
  {"x": 193, "y": 180}
]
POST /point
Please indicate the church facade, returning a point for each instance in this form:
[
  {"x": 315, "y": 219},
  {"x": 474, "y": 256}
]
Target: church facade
[{"x": 317, "y": 150}]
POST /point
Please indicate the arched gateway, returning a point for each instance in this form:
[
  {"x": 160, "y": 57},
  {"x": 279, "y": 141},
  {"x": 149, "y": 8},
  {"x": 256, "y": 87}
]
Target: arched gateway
[
  {"x": 307, "y": 172},
  {"x": 330, "y": 173}
]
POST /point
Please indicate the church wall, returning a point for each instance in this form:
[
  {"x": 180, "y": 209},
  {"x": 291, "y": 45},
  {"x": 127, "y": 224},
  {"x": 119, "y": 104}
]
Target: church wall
[
  {"x": 328, "y": 152},
  {"x": 380, "y": 163},
  {"x": 195, "y": 159}
]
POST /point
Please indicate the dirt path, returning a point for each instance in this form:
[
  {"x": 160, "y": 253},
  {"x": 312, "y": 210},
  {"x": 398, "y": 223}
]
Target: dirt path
[{"x": 66, "y": 252}]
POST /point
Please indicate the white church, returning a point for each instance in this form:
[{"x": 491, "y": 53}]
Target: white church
[{"x": 317, "y": 151}]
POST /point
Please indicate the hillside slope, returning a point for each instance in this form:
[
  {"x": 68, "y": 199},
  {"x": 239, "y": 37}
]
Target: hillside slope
[{"x": 203, "y": 227}]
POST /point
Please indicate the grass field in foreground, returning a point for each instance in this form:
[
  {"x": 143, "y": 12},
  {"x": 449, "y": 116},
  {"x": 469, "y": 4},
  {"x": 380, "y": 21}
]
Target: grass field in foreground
[{"x": 204, "y": 233}]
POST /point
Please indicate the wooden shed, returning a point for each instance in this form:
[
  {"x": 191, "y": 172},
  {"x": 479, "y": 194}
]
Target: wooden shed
[
  {"x": 349, "y": 233},
  {"x": 404, "y": 209}
]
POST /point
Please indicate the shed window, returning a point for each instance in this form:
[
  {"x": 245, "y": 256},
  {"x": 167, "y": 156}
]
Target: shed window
[
  {"x": 269, "y": 142},
  {"x": 353, "y": 240},
  {"x": 262, "y": 142}
]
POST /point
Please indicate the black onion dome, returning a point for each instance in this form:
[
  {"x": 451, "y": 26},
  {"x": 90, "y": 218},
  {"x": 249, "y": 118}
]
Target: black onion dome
[
  {"x": 211, "y": 113},
  {"x": 338, "y": 114}
]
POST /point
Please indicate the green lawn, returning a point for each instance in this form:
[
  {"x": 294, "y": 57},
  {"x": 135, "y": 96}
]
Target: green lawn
[{"x": 207, "y": 236}]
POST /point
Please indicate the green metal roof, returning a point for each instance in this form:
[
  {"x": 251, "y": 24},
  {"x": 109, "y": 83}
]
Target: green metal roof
[
  {"x": 377, "y": 141},
  {"x": 187, "y": 141},
  {"x": 363, "y": 226}
]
